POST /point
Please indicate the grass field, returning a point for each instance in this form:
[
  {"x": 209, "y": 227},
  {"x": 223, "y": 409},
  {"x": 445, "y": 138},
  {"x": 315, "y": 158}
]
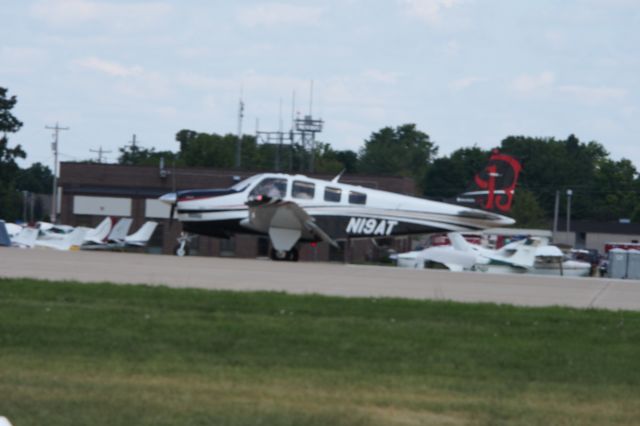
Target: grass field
[{"x": 101, "y": 354}]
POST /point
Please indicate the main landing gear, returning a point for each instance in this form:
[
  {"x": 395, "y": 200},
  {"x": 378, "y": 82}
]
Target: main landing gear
[{"x": 290, "y": 255}]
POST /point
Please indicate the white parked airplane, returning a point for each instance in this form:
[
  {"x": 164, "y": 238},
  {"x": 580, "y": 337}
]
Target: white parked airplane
[
  {"x": 293, "y": 208},
  {"x": 71, "y": 241},
  {"x": 531, "y": 255}
]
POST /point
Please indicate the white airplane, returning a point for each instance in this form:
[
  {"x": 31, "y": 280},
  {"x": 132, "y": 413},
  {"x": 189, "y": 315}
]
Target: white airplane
[
  {"x": 531, "y": 255},
  {"x": 71, "y": 241},
  {"x": 296, "y": 208}
]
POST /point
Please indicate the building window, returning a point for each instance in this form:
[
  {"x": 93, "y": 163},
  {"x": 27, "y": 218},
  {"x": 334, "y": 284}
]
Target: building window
[
  {"x": 304, "y": 190},
  {"x": 332, "y": 194},
  {"x": 357, "y": 198},
  {"x": 271, "y": 187}
]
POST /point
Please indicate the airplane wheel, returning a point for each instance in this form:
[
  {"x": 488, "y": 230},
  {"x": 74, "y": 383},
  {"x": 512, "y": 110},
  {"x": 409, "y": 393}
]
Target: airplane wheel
[
  {"x": 276, "y": 255},
  {"x": 181, "y": 250},
  {"x": 292, "y": 255}
]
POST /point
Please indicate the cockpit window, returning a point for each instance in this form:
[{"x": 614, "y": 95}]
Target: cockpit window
[
  {"x": 304, "y": 190},
  {"x": 357, "y": 197},
  {"x": 271, "y": 187}
]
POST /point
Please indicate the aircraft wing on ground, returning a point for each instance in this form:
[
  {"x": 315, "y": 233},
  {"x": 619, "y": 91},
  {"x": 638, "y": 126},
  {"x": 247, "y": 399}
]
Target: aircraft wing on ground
[
  {"x": 71, "y": 241},
  {"x": 26, "y": 238},
  {"x": 285, "y": 222}
]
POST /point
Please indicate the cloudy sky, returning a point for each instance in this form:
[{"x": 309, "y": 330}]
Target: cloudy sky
[{"x": 465, "y": 71}]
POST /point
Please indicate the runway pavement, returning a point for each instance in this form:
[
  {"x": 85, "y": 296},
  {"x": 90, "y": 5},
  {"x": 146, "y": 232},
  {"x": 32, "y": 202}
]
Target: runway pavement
[{"x": 320, "y": 278}]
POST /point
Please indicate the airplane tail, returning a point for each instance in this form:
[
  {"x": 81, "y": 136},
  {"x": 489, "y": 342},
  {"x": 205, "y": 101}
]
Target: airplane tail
[
  {"x": 4, "y": 235},
  {"x": 120, "y": 230},
  {"x": 99, "y": 234},
  {"x": 493, "y": 188},
  {"x": 142, "y": 236},
  {"x": 459, "y": 242}
]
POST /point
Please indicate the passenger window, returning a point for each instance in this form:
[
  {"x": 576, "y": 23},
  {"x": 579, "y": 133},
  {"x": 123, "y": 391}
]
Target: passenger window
[
  {"x": 271, "y": 187},
  {"x": 332, "y": 194},
  {"x": 357, "y": 197},
  {"x": 304, "y": 190}
]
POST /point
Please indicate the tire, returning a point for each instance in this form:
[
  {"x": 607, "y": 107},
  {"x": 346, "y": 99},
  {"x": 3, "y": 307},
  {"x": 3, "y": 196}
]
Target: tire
[{"x": 292, "y": 255}]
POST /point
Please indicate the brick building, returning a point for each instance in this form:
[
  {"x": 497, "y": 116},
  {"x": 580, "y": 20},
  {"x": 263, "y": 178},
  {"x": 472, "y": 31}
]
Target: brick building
[{"x": 92, "y": 191}]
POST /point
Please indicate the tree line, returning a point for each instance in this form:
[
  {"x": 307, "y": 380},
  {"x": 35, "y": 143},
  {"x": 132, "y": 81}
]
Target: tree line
[{"x": 603, "y": 189}]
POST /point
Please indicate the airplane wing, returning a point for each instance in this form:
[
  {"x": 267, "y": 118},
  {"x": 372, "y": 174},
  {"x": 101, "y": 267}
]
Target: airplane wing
[{"x": 285, "y": 222}]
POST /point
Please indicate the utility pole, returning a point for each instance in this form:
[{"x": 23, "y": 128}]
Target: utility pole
[
  {"x": 569, "y": 194},
  {"x": 556, "y": 211},
  {"x": 54, "y": 146},
  {"x": 239, "y": 143},
  {"x": 100, "y": 151}
]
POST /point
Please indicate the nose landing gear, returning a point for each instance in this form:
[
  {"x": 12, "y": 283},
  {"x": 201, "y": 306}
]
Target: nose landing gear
[{"x": 290, "y": 255}]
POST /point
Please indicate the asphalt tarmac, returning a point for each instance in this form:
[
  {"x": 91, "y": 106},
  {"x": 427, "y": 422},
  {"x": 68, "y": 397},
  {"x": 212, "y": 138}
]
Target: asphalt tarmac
[{"x": 319, "y": 278}]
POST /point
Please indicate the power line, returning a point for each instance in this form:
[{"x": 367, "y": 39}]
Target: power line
[{"x": 100, "y": 152}]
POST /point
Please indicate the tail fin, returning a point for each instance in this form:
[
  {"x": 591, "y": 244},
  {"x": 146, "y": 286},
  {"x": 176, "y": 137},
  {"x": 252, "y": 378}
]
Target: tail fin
[
  {"x": 99, "y": 234},
  {"x": 458, "y": 241},
  {"x": 4, "y": 235},
  {"x": 143, "y": 235},
  {"x": 493, "y": 188},
  {"x": 120, "y": 230}
]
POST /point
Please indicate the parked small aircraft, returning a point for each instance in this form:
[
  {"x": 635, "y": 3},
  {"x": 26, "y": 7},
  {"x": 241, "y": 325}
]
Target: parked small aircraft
[
  {"x": 530, "y": 255},
  {"x": 293, "y": 208}
]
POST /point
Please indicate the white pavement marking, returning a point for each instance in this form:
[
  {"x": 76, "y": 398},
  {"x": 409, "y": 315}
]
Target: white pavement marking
[{"x": 320, "y": 278}]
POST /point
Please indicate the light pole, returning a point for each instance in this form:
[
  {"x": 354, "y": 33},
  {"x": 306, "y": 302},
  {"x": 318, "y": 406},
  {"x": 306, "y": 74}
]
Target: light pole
[{"x": 569, "y": 194}]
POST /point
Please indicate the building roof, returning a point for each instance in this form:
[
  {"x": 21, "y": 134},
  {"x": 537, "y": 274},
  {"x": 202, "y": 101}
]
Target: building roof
[{"x": 589, "y": 226}]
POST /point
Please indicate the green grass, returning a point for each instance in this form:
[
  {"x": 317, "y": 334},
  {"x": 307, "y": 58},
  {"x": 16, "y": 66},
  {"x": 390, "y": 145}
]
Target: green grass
[{"x": 77, "y": 354}]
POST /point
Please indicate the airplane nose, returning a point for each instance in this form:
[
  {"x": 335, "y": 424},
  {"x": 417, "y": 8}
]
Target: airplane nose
[{"x": 169, "y": 198}]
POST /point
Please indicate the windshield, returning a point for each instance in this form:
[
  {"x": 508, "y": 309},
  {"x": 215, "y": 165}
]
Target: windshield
[{"x": 243, "y": 184}]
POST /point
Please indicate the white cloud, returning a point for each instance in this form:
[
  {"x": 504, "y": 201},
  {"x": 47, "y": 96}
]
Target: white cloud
[
  {"x": 464, "y": 83},
  {"x": 271, "y": 14},
  {"x": 545, "y": 83},
  {"x": 63, "y": 13},
  {"x": 18, "y": 59},
  {"x": 113, "y": 69},
  {"x": 387, "y": 77},
  {"x": 593, "y": 95},
  {"x": 528, "y": 84},
  {"x": 429, "y": 11}
]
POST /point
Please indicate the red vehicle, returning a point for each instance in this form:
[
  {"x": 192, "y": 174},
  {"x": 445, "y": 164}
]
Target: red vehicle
[{"x": 624, "y": 246}]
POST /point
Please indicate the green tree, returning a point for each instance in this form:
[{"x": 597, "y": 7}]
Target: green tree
[
  {"x": 9, "y": 197},
  {"x": 37, "y": 178},
  {"x": 404, "y": 151},
  {"x": 550, "y": 165},
  {"x": 452, "y": 175},
  {"x": 527, "y": 211}
]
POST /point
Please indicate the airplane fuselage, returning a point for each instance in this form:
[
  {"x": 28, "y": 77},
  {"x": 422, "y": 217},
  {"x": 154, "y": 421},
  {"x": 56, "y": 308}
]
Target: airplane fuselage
[{"x": 340, "y": 210}]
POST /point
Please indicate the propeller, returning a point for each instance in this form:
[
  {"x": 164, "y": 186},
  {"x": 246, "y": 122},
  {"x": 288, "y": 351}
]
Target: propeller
[{"x": 172, "y": 199}]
